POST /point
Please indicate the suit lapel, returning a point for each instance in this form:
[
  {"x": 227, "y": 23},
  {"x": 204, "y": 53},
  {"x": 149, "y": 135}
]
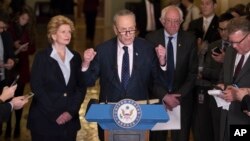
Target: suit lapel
[
  {"x": 55, "y": 67},
  {"x": 72, "y": 70},
  {"x": 113, "y": 58},
  {"x": 179, "y": 47},
  {"x": 211, "y": 28},
  {"x": 245, "y": 69},
  {"x": 232, "y": 54},
  {"x": 136, "y": 64},
  {"x": 162, "y": 38},
  {"x": 179, "y": 55}
]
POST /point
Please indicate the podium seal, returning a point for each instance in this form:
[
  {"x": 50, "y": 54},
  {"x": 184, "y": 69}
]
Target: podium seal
[{"x": 127, "y": 113}]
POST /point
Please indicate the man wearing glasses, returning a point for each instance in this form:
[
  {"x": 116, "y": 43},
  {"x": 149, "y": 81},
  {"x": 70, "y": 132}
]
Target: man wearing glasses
[
  {"x": 126, "y": 65},
  {"x": 207, "y": 111},
  {"x": 177, "y": 53},
  {"x": 236, "y": 73}
]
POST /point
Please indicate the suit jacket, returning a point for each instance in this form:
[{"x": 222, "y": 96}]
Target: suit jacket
[
  {"x": 234, "y": 115},
  {"x": 53, "y": 96},
  {"x": 245, "y": 103},
  {"x": 5, "y": 110},
  {"x": 186, "y": 63},
  {"x": 104, "y": 66},
  {"x": 212, "y": 34},
  {"x": 212, "y": 69},
  {"x": 7, "y": 45},
  {"x": 8, "y": 54},
  {"x": 184, "y": 77}
]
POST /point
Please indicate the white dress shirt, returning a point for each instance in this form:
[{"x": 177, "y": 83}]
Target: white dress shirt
[{"x": 65, "y": 66}]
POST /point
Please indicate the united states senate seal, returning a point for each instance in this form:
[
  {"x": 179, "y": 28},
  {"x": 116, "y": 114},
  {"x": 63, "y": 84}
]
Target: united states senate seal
[{"x": 127, "y": 113}]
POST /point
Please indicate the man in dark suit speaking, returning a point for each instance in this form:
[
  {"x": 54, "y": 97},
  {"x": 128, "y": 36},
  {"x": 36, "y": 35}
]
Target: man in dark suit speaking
[
  {"x": 177, "y": 55},
  {"x": 126, "y": 65}
]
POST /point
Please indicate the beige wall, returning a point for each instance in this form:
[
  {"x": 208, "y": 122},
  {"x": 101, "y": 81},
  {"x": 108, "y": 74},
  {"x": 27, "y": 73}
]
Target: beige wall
[{"x": 223, "y": 5}]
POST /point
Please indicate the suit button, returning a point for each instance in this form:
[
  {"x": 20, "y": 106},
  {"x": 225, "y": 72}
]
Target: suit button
[{"x": 65, "y": 95}]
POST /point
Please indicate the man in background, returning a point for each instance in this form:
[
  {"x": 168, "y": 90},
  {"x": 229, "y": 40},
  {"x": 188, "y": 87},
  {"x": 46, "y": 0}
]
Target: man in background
[
  {"x": 207, "y": 114},
  {"x": 235, "y": 73},
  {"x": 177, "y": 55}
]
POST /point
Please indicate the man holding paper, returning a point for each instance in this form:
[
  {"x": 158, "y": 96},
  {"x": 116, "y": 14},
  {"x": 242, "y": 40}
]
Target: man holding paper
[
  {"x": 236, "y": 72},
  {"x": 177, "y": 54}
]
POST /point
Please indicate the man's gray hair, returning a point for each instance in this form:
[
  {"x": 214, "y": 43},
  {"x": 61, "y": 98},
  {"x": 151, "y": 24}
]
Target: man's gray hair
[
  {"x": 166, "y": 9},
  {"x": 238, "y": 24},
  {"x": 124, "y": 12}
]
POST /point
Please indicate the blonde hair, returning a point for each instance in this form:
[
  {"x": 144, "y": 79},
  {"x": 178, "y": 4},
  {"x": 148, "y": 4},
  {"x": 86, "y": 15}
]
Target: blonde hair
[{"x": 55, "y": 23}]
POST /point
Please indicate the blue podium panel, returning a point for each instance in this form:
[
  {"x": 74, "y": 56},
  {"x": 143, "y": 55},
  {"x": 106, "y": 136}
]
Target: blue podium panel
[{"x": 103, "y": 115}]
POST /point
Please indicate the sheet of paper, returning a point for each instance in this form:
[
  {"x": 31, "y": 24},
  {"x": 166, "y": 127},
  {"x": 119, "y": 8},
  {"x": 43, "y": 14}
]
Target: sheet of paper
[
  {"x": 222, "y": 103},
  {"x": 174, "y": 122}
]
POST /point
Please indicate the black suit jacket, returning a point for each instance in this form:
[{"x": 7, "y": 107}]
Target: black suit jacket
[
  {"x": 52, "y": 95},
  {"x": 5, "y": 110},
  {"x": 245, "y": 103},
  {"x": 104, "y": 67},
  {"x": 8, "y": 54},
  {"x": 212, "y": 69},
  {"x": 212, "y": 34},
  {"x": 8, "y": 45},
  {"x": 186, "y": 64},
  {"x": 234, "y": 115}
]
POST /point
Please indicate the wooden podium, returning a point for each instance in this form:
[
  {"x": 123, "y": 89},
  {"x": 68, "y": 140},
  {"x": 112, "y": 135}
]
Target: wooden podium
[{"x": 103, "y": 115}]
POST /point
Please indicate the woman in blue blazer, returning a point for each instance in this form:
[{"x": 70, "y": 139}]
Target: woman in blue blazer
[{"x": 55, "y": 81}]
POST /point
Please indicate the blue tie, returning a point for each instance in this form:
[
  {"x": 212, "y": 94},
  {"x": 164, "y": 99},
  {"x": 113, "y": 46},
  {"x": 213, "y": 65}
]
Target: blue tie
[
  {"x": 125, "y": 68},
  {"x": 170, "y": 65}
]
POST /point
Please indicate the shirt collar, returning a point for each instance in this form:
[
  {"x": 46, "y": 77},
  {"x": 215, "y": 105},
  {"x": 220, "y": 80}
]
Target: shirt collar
[
  {"x": 68, "y": 55},
  {"x": 168, "y": 35},
  {"x": 209, "y": 19},
  {"x": 121, "y": 45}
]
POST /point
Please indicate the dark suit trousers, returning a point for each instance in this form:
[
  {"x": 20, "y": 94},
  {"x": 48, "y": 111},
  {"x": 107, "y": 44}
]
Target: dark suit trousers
[
  {"x": 202, "y": 120},
  {"x": 62, "y": 137}
]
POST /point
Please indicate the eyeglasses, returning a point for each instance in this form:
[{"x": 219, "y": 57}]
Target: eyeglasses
[
  {"x": 240, "y": 40},
  {"x": 126, "y": 31}
]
